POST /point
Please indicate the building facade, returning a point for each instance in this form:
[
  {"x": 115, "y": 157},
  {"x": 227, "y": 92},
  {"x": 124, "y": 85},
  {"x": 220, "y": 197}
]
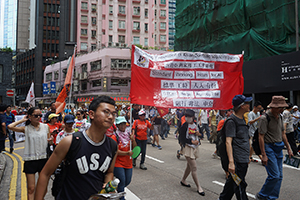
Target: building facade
[
  {"x": 172, "y": 10},
  {"x": 23, "y": 23},
  {"x": 5, "y": 76},
  {"x": 120, "y": 23},
  {"x": 52, "y": 37},
  {"x": 8, "y": 23},
  {"x": 102, "y": 72}
]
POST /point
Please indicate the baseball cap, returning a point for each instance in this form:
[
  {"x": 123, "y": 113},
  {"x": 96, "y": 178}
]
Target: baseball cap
[
  {"x": 123, "y": 106},
  {"x": 142, "y": 112},
  {"x": 240, "y": 99},
  {"x": 120, "y": 119},
  {"x": 52, "y": 115},
  {"x": 189, "y": 113},
  {"x": 69, "y": 119}
]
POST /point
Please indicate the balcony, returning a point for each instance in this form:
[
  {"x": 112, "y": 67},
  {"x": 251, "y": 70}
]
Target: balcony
[
  {"x": 162, "y": 17},
  {"x": 136, "y": 16},
  {"x": 136, "y": 30},
  {"x": 122, "y": 0},
  {"x": 162, "y": 5},
  {"x": 121, "y": 29},
  {"x": 136, "y": 1},
  {"x": 121, "y": 14}
]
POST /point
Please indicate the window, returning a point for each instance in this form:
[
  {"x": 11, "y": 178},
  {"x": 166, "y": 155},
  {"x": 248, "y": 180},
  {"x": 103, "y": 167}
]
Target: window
[
  {"x": 83, "y": 85},
  {"x": 83, "y": 46},
  {"x": 163, "y": 13},
  {"x": 84, "y": 19},
  {"x": 94, "y": 32},
  {"x": 162, "y": 1},
  {"x": 146, "y": 42},
  {"x": 110, "y": 38},
  {"x": 136, "y": 40},
  {"x": 96, "y": 65},
  {"x": 155, "y": 12},
  {"x": 1, "y": 73},
  {"x": 84, "y": 5},
  {"x": 83, "y": 68},
  {"x": 93, "y": 46},
  {"x": 121, "y": 39},
  {"x": 110, "y": 24},
  {"x": 83, "y": 31},
  {"x": 111, "y": 9},
  {"x": 94, "y": 7},
  {"x": 119, "y": 82},
  {"x": 136, "y": 25},
  {"x": 120, "y": 64},
  {"x": 146, "y": 12},
  {"x": 49, "y": 77},
  {"x": 136, "y": 10},
  {"x": 56, "y": 74},
  {"x": 122, "y": 24},
  {"x": 94, "y": 20},
  {"x": 162, "y": 38},
  {"x": 146, "y": 27},
  {"x": 122, "y": 9},
  {"x": 163, "y": 25},
  {"x": 64, "y": 71},
  {"x": 96, "y": 83},
  {"x": 154, "y": 25}
]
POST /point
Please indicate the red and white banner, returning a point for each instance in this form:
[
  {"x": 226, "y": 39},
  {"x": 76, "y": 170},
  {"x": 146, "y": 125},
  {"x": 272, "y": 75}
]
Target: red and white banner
[{"x": 185, "y": 79}]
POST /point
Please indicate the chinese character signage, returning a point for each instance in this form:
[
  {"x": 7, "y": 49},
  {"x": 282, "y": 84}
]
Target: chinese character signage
[
  {"x": 53, "y": 87},
  {"x": 185, "y": 79},
  {"x": 45, "y": 88}
]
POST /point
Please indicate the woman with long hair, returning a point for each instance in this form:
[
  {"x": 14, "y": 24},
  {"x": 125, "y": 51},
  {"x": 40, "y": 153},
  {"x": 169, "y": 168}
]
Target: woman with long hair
[{"x": 37, "y": 135}]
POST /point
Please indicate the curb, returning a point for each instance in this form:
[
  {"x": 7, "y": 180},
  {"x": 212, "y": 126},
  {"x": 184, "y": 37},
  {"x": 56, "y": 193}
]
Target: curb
[{"x": 2, "y": 165}]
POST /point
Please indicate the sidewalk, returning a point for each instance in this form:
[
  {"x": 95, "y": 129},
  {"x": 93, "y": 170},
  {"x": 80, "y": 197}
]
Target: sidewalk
[{"x": 2, "y": 165}]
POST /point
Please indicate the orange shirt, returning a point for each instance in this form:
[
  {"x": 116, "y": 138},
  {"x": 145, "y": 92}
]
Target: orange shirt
[
  {"x": 123, "y": 161},
  {"x": 182, "y": 120},
  {"x": 141, "y": 133},
  {"x": 54, "y": 127}
]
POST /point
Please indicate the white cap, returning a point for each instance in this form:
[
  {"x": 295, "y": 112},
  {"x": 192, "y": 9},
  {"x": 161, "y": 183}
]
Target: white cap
[
  {"x": 142, "y": 112},
  {"x": 123, "y": 106},
  {"x": 295, "y": 107}
]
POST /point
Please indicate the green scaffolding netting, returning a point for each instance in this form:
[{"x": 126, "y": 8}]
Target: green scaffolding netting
[{"x": 260, "y": 28}]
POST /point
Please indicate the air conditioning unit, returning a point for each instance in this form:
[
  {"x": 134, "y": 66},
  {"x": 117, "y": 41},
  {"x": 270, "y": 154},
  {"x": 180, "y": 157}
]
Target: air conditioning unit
[
  {"x": 123, "y": 45},
  {"x": 75, "y": 88},
  {"x": 117, "y": 44},
  {"x": 110, "y": 44}
]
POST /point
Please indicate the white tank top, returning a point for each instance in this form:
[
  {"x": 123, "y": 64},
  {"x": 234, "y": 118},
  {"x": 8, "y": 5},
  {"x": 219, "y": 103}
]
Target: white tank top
[{"x": 35, "y": 142}]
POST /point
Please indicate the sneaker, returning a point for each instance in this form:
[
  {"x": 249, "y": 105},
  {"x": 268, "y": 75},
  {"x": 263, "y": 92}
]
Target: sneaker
[
  {"x": 11, "y": 150},
  {"x": 214, "y": 155},
  {"x": 178, "y": 154},
  {"x": 159, "y": 147},
  {"x": 134, "y": 162},
  {"x": 143, "y": 167},
  {"x": 257, "y": 196},
  {"x": 154, "y": 145}
]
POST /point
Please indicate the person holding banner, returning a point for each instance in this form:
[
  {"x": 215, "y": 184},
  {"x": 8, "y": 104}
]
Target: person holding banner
[
  {"x": 37, "y": 136},
  {"x": 189, "y": 139},
  {"x": 10, "y": 118},
  {"x": 123, "y": 165}
]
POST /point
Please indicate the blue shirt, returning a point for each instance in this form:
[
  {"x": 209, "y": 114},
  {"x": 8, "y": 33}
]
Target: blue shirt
[{"x": 9, "y": 118}]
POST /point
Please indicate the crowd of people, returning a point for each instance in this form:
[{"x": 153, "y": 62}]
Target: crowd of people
[{"x": 104, "y": 125}]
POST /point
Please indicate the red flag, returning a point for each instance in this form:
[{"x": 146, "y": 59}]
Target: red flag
[
  {"x": 60, "y": 102},
  {"x": 162, "y": 111}
]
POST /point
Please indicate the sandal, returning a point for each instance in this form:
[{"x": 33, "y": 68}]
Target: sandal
[
  {"x": 178, "y": 154},
  {"x": 252, "y": 160}
]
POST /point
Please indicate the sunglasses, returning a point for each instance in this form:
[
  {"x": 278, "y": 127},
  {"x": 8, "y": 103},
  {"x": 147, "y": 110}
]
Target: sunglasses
[
  {"x": 36, "y": 116},
  {"x": 78, "y": 114}
]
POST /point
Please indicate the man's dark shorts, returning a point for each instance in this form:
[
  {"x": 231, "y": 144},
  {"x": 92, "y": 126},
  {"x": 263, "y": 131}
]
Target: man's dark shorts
[{"x": 34, "y": 166}]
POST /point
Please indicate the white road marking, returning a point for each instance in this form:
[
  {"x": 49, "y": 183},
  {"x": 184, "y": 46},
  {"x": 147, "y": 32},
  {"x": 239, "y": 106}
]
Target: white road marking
[
  {"x": 130, "y": 195},
  {"x": 222, "y": 184},
  {"x": 284, "y": 165},
  {"x": 160, "y": 161}
]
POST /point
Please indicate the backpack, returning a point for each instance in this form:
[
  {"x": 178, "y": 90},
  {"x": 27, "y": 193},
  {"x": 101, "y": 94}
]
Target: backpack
[
  {"x": 61, "y": 172},
  {"x": 221, "y": 140}
]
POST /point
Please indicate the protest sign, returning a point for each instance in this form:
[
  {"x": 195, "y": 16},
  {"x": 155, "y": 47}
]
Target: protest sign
[{"x": 185, "y": 79}]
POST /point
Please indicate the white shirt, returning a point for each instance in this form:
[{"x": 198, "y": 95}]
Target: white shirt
[
  {"x": 252, "y": 127},
  {"x": 204, "y": 117}
]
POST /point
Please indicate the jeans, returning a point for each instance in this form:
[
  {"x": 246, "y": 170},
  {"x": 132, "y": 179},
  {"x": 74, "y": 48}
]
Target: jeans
[
  {"x": 143, "y": 145},
  {"x": 124, "y": 175},
  {"x": 11, "y": 140},
  {"x": 206, "y": 128},
  {"x": 230, "y": 186},
  {"x": 271, "y": 188}
]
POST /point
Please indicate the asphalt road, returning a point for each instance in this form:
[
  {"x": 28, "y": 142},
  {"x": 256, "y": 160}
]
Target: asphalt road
[{"x": 162, "y": 179}]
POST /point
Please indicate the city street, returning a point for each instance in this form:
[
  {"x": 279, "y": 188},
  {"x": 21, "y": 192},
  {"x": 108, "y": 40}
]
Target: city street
[{"x": 162, "y": 179}]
